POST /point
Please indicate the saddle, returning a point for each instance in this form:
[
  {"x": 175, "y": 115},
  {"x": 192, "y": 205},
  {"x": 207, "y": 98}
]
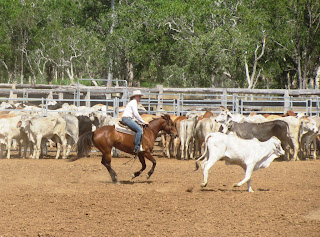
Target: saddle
[{"x": 121, "y": 127}]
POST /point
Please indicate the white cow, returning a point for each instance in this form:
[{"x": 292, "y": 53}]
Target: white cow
[
  {"x": 203, "y": 128},
  {"x": 297, "y": 128},
  {"x": 72, "y": 131},
  {"x": 9, "y": 131},
  {"x": 38, "y": 128},
  {"x": 309, "y": 137},
  {"x": 187, "y": 127},
  {"x": 226, "y": 115},
  {"x": 256, "y": 119},
  {"x": 249, "y": 154}
]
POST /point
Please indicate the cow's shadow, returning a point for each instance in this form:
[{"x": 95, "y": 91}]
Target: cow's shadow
[
  {"x": 232, "y": 190},
  {"x": 221, "y": 190}
]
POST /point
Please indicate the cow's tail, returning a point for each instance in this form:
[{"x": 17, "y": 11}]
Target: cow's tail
[
  {"x": 84, "y": 145},
  {"x": 204, "y": 154}
]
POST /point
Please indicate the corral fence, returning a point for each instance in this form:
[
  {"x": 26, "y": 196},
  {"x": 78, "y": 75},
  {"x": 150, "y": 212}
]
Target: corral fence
[{"x": 178, "y": 101}]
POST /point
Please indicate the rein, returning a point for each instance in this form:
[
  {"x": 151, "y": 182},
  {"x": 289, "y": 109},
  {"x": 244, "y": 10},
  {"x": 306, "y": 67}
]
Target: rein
[{"x": 133, "y": 158}]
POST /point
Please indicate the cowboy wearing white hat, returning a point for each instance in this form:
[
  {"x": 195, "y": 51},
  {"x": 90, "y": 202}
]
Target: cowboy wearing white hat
[{"x": 131, "y": 112}]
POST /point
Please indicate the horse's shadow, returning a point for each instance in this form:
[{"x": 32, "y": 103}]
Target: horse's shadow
[{"x": 129, "y": 182}]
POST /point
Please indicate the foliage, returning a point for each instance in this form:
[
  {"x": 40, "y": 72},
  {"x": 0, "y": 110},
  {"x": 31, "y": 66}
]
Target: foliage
[{"x": 177, "y": 43}]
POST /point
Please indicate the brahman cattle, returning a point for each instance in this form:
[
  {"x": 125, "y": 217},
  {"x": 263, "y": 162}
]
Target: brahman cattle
[
  {"x": 249, "y": 154},
  {"x": 38, "y": 128},
  {"x": 261, "y": 131},
  {"x": 187, "y": 127},
  {"x": 10, "y": 131}
]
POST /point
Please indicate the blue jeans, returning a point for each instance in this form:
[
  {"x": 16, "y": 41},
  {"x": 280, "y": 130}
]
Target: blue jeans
[{"x": 136, "y": 128}]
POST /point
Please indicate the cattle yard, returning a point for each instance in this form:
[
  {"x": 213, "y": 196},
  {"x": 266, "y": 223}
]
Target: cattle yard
[{"x": 52, "y": 197}]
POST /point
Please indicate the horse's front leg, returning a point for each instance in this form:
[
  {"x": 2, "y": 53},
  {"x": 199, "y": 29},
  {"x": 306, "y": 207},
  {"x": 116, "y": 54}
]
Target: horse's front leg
[
  {"x": 154, "y": 163},
  {"x": 143, "y": 163}
]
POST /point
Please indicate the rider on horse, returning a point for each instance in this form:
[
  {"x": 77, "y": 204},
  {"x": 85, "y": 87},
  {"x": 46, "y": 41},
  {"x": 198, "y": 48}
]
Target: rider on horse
[{"x": 131, "y": 112}]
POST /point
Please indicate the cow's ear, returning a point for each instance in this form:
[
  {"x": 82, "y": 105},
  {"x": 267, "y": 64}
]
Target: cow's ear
[{"x": 19, "y": 124}]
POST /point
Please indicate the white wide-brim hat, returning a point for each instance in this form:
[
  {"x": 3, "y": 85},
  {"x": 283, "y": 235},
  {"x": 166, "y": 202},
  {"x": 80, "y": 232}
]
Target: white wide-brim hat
[{"x": 136, "y": 92}]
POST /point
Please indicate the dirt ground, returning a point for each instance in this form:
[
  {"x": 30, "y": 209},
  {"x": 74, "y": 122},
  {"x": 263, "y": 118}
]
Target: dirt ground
[{"x": 57, "y": 198}]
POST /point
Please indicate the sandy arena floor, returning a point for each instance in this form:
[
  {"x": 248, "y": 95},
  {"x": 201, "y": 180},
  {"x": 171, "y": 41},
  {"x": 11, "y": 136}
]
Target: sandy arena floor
[{"x": 57, "y": 198}]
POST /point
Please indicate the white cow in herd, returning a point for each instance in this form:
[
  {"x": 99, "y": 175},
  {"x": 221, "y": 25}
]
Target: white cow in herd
[
  {"x": 9, "y": 131},
  {"x": 249, "y": 154},
  {"x": 187, "y": 127},
  {"x": 37, "y": 128}
]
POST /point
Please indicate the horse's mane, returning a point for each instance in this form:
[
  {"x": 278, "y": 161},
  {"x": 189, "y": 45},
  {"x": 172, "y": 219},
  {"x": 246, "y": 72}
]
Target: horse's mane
[
  {"x": 154, "y": 119},
  {"x": 162, "y": 116}
]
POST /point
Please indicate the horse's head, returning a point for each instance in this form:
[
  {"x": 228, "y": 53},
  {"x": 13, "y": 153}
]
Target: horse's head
[{"x": 168, "y": 126}]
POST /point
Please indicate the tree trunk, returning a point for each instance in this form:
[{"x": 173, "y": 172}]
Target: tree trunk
[
  {"x": 130, "y": 73},
  {"x": 253, "y": 78},
  {"x": 21, "y": 59},
  {"x": 317, "y": 79},
  {"x": 110, "y": 74}
]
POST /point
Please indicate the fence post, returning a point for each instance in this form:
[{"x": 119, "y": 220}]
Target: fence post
[
  {"x": 42, "y": 106},
  {"x": 317, "y": 106},
  {"x": 182, "y": 107},
  {"x": 178, "y": 105},
  {"x": 224, "y": 98},
  {"x": 309, "y": 113},
  {"x": 115, "y": 107},
  {"x": 61, "y": 96},
  {"x": 286, "y": 101},
  {"x": 160, "y": 99},
  {"x": 87, "y": 98},
  {"x": 12, "y": 95},
  {"x": 46, "y": 107},
  {"x": 78, "y": 94},
  {"x": 50, "y": 95},
  {"x": 149, "y": 106}
]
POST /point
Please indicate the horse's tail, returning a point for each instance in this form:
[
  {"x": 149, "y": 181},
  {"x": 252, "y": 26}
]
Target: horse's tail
[
  {"x": 204, "y": 154},
  {"x": 84, "y": 145}
]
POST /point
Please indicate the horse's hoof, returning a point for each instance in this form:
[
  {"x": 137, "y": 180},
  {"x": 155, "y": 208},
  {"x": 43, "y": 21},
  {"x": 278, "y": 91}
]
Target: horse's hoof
[
  {"x": 203, "y": 185},
  {"x": 148, "y": 176},
  {"x": 115, "y": 181},
  {"x": 236, "y": 185},
  {"x": 133, "y": 176}
]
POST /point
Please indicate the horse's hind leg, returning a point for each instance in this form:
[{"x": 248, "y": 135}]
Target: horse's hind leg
[
  {"x": 154, "y": 163},
  {"x": 106, "y": 161},
  {"x": 143, "y": 163}
]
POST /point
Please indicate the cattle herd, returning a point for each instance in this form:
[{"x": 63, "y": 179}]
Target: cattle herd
[
  {"x": 297, "y": 132},
  {"x": 238, "y": 139},
  {"x": 24, "y": 125}
]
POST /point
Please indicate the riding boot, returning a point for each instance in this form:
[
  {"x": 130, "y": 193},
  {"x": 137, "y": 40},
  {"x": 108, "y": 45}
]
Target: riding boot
[{"x": 136, "y": 149}]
